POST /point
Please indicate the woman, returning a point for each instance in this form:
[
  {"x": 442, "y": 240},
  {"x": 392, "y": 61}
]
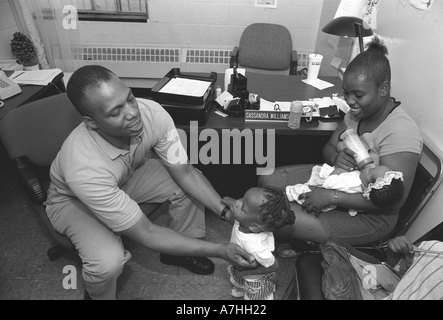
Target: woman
[{"x": 392, "y": 139}]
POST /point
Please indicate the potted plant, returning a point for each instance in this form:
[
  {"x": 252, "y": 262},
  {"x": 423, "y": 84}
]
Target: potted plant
[{"x": 24, "y": 51}]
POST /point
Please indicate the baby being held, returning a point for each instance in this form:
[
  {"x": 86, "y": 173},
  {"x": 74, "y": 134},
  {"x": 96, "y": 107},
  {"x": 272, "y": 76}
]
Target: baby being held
[{"x": 378, "y": 184}]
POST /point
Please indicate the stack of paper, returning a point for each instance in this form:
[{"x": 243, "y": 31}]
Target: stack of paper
[
  {"x": 186, "y": 87},
  {"x": 36, "y": 77},
  {"x": 319, "y": 84}
]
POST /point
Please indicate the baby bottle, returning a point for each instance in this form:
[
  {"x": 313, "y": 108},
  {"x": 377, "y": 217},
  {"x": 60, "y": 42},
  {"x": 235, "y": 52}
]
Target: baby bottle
[{"x": 353, "y": 142}]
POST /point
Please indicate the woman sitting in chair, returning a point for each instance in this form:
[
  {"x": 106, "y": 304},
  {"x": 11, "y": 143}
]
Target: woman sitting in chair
[{"x": 390, "y": 135}]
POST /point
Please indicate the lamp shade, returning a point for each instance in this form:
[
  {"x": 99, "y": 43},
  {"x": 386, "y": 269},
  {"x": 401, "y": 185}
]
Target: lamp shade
[{"x": 347, "y": 27}]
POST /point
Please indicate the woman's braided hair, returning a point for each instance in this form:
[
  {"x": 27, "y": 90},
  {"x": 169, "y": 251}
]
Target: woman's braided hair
[{"x": 276, "y": 210}]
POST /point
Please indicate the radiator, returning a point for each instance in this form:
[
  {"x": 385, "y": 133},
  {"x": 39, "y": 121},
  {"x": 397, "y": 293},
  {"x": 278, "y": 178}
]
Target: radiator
[{"x": 153, "y": 62}]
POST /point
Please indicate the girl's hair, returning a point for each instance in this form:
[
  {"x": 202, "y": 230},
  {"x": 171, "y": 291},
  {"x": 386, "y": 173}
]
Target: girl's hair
[
  {"x": 372, "y": 63},
  {"x": 276, "y": 210},
  {"x": 83, "y": 78}
]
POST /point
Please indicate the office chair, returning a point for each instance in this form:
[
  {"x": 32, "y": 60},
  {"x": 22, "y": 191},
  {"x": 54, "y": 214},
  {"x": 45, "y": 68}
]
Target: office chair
[
  {"x": 32, "y": 135},
  {"x": 265, "y": 46}
]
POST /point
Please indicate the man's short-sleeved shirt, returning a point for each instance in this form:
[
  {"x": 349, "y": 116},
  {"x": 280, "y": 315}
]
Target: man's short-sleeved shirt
[{"x": 92, "y": 170}]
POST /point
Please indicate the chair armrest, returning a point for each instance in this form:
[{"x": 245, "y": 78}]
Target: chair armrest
[
  {"x": 31, "y": 181},
  {"x": 294, "y": 63},
  {"x": 234, "y": 58}
]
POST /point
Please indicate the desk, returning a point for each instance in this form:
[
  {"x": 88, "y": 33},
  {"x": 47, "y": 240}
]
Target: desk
[
  {"x": 281, "y": 88},
  {"x": 302, "y": 145},
  {"x": 30, "y": 93}
]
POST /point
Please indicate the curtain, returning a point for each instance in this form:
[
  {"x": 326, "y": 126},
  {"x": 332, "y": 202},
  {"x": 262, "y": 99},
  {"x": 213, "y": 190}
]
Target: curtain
[{"x": 52, "y": 26}]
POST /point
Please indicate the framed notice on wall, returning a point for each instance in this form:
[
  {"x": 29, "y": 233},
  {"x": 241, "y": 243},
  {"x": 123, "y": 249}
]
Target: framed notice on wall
[{"x": 266, "y": 3}]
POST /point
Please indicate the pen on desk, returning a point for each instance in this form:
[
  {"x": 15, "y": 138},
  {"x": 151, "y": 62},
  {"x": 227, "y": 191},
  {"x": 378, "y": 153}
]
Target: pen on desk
[{"x": 18, "y": 75}]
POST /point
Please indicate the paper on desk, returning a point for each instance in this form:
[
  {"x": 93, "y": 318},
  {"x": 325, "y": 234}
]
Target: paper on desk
[
  {"x": 319, "y": 84},
  {"x": 284, "y": 106},
  {"x": 317, "y": 103},
  {"x": 266, "y": 105},
  {"x": 36, "y": 77},
  {"x": 341, "y": 104},
  {"x": 186, "y": 87}
]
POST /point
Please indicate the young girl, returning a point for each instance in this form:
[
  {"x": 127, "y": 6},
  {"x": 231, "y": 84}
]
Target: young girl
[{"x": 257, "y": 215}]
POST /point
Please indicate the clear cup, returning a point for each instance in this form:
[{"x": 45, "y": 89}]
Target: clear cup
[
  {"x": 314, "y": 63},
  {"x": 295, "y": 114}
]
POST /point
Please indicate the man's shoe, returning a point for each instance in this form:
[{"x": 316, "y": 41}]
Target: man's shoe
[{"x": 198, "y": 265}]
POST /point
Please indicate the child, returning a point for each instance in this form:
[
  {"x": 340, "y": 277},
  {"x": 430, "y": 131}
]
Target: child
[
  {"x": 257, "y": 215},
  {"x": 377, "y": 183}
]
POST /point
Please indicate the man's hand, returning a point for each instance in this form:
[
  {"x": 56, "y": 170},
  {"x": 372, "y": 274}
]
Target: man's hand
[
  {"x": 239, "y": 257},
  {"x": 230, "y": 202}
]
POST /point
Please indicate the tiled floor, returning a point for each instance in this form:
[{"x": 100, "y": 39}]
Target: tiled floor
[{"x": 26, "y": 272}]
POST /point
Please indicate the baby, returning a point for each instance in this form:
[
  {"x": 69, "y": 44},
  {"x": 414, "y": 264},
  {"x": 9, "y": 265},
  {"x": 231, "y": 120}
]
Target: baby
[
  {"x": 257, "y": 215},
  {"x": 379, "y": 184}
]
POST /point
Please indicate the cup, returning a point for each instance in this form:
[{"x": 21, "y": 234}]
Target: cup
[
  {"x": 295, "y": 114},
  {"x": 229, "y": 72},
  {"x": 314, "y": 63}
]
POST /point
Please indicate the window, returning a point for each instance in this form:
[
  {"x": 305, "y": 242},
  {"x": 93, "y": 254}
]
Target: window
[{"x": 113, "y": 10}]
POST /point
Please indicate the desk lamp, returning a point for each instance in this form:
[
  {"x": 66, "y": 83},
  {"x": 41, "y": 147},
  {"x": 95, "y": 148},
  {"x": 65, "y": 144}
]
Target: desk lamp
[{"x": 349, "y": 27}]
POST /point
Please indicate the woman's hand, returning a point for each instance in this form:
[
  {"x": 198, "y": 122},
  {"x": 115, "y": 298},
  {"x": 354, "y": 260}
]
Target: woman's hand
[
  {"x": 316, "y": 200},
  {"x": 345, "y": 160}
]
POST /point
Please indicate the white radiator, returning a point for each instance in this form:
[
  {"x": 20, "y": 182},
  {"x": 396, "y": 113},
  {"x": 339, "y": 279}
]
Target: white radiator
[{"x": 151, "y": 62}]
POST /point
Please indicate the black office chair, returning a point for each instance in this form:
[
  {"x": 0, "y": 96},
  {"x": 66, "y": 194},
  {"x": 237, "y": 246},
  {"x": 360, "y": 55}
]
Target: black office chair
[
  {"x": 32, "y": 135},
  {"x": 265, "y": 46}
]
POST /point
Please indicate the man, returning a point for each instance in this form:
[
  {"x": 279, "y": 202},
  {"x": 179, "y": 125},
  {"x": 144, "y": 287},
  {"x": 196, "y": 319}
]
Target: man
[{"x": 127, "y": 151}]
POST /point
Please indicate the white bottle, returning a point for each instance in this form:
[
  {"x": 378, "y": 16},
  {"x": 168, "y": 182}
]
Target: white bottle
[{"x": 353, "y": 142}]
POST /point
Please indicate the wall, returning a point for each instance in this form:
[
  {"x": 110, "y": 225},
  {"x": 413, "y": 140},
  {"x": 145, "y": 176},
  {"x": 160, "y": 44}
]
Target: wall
[
  {"x": 415, "y": 51},
  {"x": 212, "y": 24},
  {"x": 323, "y": 46},
  {"x": 8, "y": 26}
]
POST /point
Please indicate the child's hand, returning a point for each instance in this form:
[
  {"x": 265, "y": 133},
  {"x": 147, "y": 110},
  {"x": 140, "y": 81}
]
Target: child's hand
[{"x": 401, "y": 245}]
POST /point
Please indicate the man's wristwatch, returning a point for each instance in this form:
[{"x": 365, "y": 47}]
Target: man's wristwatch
[{"x": 223, "y": 213}]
